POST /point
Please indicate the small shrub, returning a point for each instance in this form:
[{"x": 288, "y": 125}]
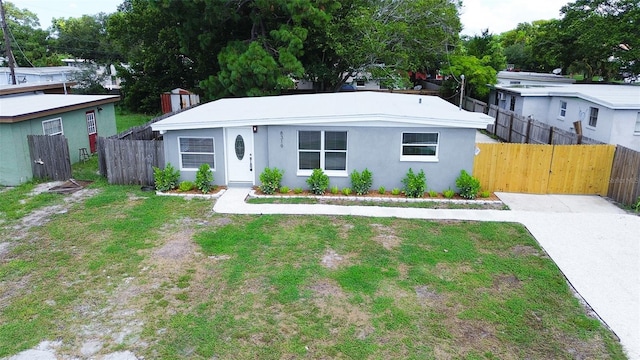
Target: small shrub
[
  {"x": 166, "y": 179},
  {"x": 414, "y": 184},
  {"x": 382, "y": 190},
  {"x": 335, "y": 190},
  {"x": 361, "y": 181},
  {"x": 186, "y": 186},
  {"x": 485, "y": 193},
  {"x": 433, "y": 193},
  {"x": 636, "y": 206},
  {"x": 204, "y": 178},
  {"x": 346, "y": 191},
  {"x": 284, "y": 190},
  {"x": 318, "y": 182},
  {"x": 467, "y": 185},
  {"x": 297, "y": 190},
  {"x": 395, "y": 191},
  {"x": 448, "y": 193},
  {"x": 270, "y": 179}
]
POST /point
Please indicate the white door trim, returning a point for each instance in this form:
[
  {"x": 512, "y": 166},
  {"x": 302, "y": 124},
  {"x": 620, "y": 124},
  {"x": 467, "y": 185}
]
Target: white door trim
[{"x": 247, "y": 175}]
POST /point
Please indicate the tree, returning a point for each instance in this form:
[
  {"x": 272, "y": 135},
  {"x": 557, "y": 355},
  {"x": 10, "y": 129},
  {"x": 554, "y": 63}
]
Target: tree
[
  {"x": 85, "y": 38},
  {"x": 600, "y": 37},
  {"x": 486, "y": 44},
  {"x": 478, "y": 75},
  {"x": 29, "y": 44},
  {"x": 533, "y": 46}
]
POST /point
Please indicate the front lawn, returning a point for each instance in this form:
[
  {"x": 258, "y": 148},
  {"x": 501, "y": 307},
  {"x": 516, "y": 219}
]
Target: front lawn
[{"x": 165, "y": 278}]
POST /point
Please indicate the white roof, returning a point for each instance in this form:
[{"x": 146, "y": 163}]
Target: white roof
[
  {"x": 533, "y": 77},
  {"x": 17, "y": 106},
  {"x": 361, "y": 108},
  {"x": 46, "y": 70},
  {"x": 611, "y": 96}
]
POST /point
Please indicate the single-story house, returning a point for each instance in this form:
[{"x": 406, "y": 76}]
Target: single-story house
[
  {"x": 386, "y": 133},
  {"x": 27, "y": 110},
  {"x": 609, "y": 113}
]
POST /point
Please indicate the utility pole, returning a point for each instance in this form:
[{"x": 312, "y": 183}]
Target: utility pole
[{"x": 7, "y": 45}]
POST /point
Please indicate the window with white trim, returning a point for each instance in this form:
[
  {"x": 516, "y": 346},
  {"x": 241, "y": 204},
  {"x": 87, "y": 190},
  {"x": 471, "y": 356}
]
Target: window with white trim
[
  {"x": 563, "y": 109},
  {"x": 195, "y": 151},
  {"x": 637, "y": 130},
  {"x": 52, "y": 127},
  {"x": 593, "y": 117},
  {"x": 326, "y": 150},
  {"x": 419, "y": 146}
]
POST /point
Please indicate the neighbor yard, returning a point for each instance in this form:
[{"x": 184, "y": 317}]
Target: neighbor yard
[{"x": 111, "y": 268}]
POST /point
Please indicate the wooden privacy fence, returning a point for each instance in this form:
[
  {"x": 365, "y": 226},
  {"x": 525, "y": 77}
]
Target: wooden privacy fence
[
  {"x": 131, "y": 161},
  {"x": 514, "y": 128},
  {"x": 624, "y": 185},
  {"x": 49, "y": 157},
  {"x": 544, "y": 169}
]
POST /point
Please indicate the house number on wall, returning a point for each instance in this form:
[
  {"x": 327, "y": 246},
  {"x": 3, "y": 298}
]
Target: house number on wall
[
  {"x": 239, "y": 147},
  {"x": 281, "y": 139}
]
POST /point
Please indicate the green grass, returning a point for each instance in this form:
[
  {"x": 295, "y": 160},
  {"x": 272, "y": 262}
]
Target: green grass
[
  {"x": 204, "y": 285},
  {"x": 126, "y": 120}
]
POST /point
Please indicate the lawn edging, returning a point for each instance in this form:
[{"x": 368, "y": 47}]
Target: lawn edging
[
  {"x": 254, "y": 194},
  {"x": 191, "y": 196}
]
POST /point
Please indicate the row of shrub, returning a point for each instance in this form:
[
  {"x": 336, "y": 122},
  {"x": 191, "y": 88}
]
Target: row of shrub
[
  {"x": 168, "y": 179},
  {"x": 415, "y": 184}
]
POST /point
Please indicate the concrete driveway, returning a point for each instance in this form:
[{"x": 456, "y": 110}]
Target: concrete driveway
[{"x": 594, "y": 243}]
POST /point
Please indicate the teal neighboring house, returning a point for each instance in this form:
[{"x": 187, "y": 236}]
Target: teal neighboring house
[{"x": 46, "y": 109}]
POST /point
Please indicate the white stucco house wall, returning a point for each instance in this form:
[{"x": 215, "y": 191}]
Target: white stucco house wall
[
  {"x": 609, "y": 113},
  {"x": 337, "y": 132}
]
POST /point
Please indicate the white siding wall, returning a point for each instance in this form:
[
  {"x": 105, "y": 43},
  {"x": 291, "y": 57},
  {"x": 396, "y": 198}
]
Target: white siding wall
[{"x": 622, "y": 131}]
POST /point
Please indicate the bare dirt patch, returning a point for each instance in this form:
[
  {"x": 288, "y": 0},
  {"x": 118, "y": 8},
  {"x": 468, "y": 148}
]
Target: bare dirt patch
[
  {"x": 386, "y": 236},
  {"x": 332, "y": 260},
  {"x": 332, "y": 301},
  {"x": 524, "y": 250},
  {"x": 506, "y": 283}
]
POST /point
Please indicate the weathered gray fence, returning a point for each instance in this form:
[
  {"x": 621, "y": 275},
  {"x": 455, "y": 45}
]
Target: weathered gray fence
[
  {"x": 129, "y": 157},
  {"x": 49, "y": 157},
  {"x": 131, "y": 161},
  {"x": 515, "y": 128},
  {"x": 624, "y": 185}
]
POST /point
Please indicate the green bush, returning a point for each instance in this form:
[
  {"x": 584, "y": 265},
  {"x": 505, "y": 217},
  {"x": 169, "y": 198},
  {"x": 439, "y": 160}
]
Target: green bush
[
  {"x": 186, "y": 186},
  {"x": 485, "y": 194},
  {"x": 346, "y": 191},
  {"x": 468, "y": 186},
  {"x": 318, "y": 182},
  {"x": 204, "y": 178},
  {"x": 448, "y": 193},
  {"x": 270, "y": 179},
  {"x": 433, "y": 193},
  {"x": 284, "y": 190},
  {"x": 414, "y": 184},
  {"x": 361, "y": 181},
  {"x": 297, "y": 190},
  {"x": 636, "y": 206},
  {"x": 395, "y": 191},
  {"x": 335, "y": 190},
  {"x": 382, "y": 190},
  {"x": 166, "y": 179}
]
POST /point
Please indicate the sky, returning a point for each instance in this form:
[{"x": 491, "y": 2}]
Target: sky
[{"x": 496, "y": 15}]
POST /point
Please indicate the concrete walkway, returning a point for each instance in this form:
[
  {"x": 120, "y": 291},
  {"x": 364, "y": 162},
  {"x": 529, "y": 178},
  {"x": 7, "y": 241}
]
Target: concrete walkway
[{"x": 595, "y": 244}]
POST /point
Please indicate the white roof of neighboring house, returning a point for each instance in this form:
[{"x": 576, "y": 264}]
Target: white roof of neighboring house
[
  {"x": 611, "y": 96},
  {"x": 48, "y": 70},
  {"x": 533, "y": 77},
  {"x": 360, "y": 108},
  {"x": 17, "y": 108}
]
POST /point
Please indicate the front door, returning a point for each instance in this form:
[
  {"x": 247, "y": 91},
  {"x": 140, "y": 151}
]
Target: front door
[
  {"x": 92, "y": 130},
  {"x": 239, "y": 154}
]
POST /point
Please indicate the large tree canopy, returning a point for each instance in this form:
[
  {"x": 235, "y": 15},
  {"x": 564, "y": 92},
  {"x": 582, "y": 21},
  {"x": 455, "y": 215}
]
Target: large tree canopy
[
  {"x": 599, "y": 37},
  {"x": 255, "y": 47},
  {"x": 85, "y": 38}
]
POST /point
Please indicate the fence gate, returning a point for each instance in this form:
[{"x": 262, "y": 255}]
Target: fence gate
[
  {"x": 49, "y": 157},
  {"x": 544, "y": 169}
]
